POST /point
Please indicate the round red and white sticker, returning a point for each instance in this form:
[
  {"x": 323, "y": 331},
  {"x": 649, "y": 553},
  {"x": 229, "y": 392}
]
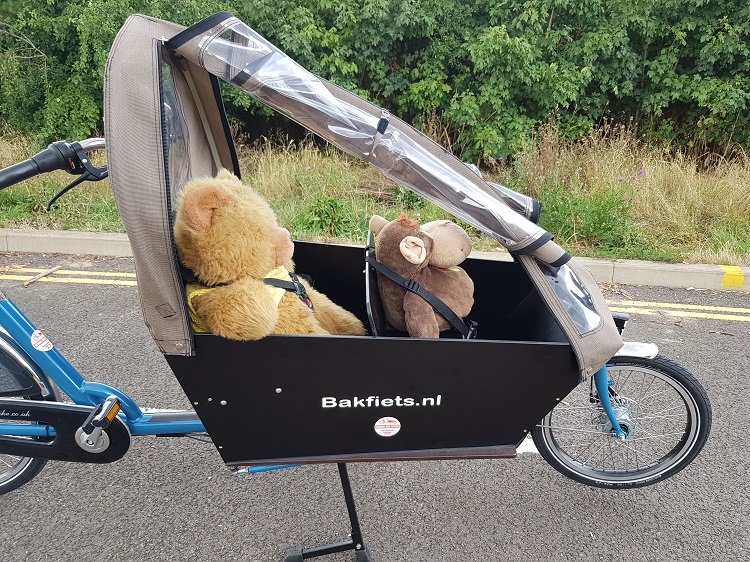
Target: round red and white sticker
[
  {"x": 40, "y": 342},
  {"x": 387, "y": 427}
]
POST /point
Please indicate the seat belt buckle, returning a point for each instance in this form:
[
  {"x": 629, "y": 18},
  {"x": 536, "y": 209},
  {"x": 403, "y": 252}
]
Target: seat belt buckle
[
  {"x": 412, "y": 285},
  {"x": 472, "y": 333}
]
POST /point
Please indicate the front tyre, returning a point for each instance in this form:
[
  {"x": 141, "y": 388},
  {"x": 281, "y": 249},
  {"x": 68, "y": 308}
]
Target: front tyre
[{"x": 662, "y": 408}]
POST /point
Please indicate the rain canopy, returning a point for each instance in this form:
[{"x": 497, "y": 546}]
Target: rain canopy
[
  {"x": 191, "y": 137},
  {"x": 229, "y": 49}
]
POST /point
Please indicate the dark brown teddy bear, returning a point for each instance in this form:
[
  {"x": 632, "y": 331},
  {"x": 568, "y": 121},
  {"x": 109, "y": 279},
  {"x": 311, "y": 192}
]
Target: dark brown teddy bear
[{"x": 411, "y": 251}]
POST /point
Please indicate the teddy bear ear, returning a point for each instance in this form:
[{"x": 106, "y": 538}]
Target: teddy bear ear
[
  {"x": 377, "y": 223},
  {"x": 199, "y": 204},
  {"x": 225, "y": 174},
  {"x": 413, "y": 249}
]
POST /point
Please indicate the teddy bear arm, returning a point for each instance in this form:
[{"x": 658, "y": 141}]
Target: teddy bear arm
[
  {"x": 240, "y": 311},
  {"x": 454, "y": 287},
  {"x": 296, "y": 318},
  {"x": 421, "y": 320},
  {"x": 464, "y": 294},
  {"x": 334, "y": 318}
]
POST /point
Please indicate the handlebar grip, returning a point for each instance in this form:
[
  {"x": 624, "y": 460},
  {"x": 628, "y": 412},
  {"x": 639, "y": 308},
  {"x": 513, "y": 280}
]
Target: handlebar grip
[
  {"x": 54, "y": 157},
  {"x": 18, "y": 172}
]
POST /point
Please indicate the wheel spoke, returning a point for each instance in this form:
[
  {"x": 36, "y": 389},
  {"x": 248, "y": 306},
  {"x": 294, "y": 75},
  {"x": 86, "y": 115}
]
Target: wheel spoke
[
  {"x": 573, "y": 429},
  {"x": 6, "y": 463},
  {"x": 674, "y": 411},
  {"x": 660, "y": 436}
]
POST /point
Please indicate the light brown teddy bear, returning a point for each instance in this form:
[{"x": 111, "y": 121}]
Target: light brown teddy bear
[
  {"x": 429, "y": 255},
  {"x": 229, "y": 237}
]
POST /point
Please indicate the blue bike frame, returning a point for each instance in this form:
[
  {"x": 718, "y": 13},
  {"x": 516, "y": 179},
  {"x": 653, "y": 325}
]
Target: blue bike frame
[
  {"x": 602, "y": 384},
  {"x": 53, "y": 366}
]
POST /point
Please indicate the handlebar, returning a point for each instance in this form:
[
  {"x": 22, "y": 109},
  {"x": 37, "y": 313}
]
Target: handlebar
[
  {"x": 96, "y": 143},
  {"x": 59, "y": 155}
]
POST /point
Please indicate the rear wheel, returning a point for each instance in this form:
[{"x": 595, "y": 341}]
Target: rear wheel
[
  {"x": 662, "y": 408},
  {"x": 16, "y": 471}
]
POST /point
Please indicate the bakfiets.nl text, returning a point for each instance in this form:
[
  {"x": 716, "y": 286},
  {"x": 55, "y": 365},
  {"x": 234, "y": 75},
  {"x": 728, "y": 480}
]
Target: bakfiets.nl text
[{"x": 378, "y": 402}]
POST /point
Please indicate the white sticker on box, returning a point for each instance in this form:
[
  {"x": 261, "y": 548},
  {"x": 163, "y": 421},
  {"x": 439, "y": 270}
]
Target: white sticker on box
[{"x": 387, "y": 427}]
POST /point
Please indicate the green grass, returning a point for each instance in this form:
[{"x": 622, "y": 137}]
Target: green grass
[
  {"x": 90, "y": 206},
  {"x": 607, "y": 195}
]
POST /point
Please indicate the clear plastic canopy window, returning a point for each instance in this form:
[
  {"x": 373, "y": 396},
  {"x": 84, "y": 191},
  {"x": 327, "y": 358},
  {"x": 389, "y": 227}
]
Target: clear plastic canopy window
[{"x": 242, "y": 57}]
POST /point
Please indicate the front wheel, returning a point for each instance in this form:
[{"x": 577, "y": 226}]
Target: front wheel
[{"x": 663, "y": 410}]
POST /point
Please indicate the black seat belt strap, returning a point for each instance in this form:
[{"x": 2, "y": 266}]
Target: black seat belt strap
[{"x": 294, "y": 286}]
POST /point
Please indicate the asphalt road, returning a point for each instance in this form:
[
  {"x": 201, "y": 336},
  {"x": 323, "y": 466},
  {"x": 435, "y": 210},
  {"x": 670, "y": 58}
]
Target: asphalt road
[{"x": 173, "y": 499}]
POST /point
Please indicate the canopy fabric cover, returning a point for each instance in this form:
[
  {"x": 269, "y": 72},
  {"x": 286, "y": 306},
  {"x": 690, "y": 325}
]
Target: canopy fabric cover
[{"x": 154, "y": 106}]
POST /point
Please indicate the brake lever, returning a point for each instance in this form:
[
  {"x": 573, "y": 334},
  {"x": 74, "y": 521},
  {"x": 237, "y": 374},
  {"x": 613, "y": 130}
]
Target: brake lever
[
  {"x": 96, "y": 172},
  {"x": 79, "y": 164},
  {"x": 84, "y": 177}
]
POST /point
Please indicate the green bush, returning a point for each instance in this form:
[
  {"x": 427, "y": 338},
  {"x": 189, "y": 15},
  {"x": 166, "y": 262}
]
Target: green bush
[
  {"x": 326, "y": 216},
  {"x": 591, "y": 216},
  {"x": 480, "y": 73}
]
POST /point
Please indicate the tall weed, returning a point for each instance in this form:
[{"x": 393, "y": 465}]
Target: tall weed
[
  {"x": 320, "y": 193},
  {"x": 623, "y": 198},
  {"x": 702, "y": 208}
]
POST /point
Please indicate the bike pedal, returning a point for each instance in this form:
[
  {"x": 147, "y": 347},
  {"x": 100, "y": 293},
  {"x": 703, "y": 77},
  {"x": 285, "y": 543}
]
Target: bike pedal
[{"x": 102, "y": 415}]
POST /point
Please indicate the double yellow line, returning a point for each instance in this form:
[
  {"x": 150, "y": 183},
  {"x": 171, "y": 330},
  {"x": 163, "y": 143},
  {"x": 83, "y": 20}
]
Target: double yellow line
[
  {"x": 69, "y": 276},
  {"x": 681, "y": 310}
]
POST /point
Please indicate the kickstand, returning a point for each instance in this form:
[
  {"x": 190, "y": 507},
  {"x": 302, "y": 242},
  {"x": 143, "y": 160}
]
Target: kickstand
[{"x": 355, "y": 543}]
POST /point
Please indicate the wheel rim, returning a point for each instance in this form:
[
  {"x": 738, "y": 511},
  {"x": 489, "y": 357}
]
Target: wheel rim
[
  {"x": 658, "y": 413},
  {"x": 12, "y": 466}
]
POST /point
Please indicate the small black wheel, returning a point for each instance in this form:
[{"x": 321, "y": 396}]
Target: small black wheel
[
  {"x": 16, "y": 471},
  {"x": 663, "y": 409}
]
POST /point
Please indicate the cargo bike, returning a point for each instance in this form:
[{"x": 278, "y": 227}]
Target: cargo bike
[{"x": 547, "y": 358}]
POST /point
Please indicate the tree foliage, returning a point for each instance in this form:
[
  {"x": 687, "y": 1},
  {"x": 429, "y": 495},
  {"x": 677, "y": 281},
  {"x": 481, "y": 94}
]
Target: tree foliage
[{"x": 476, "y": 74}]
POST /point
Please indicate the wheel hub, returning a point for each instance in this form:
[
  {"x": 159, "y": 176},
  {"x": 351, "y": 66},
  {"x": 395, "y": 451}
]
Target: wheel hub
[{"x": 626, "y": 413}]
